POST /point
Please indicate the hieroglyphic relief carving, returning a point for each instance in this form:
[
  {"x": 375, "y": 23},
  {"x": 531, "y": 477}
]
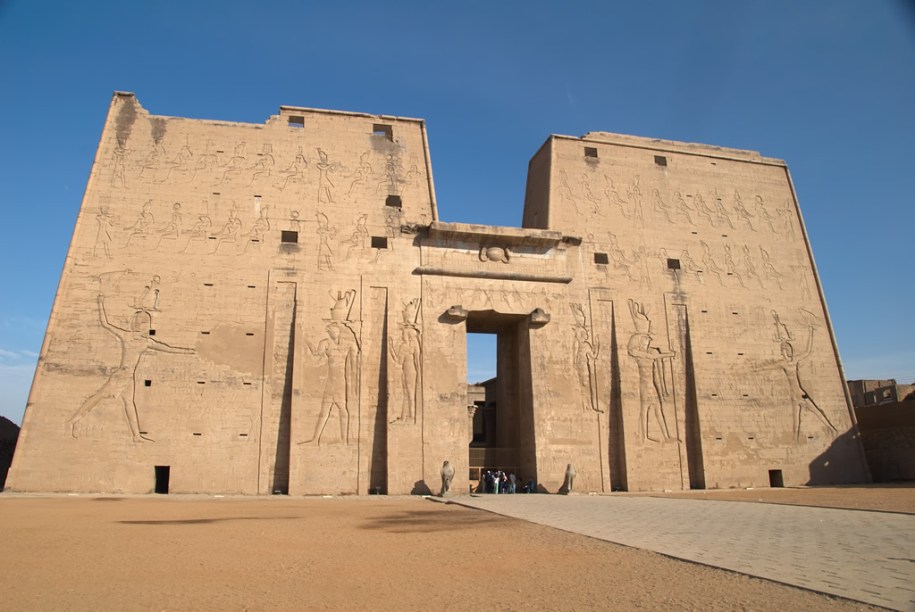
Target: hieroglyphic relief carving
[
  {"x": 236, "y": 164},
  {"x": 325, "y": 185},
  {"x": 180, "y": 166},
  {"x": 172, "y": 230},
  {"x": 103, "y": 234},
  {"x": 689, "y": 265},
  {"x": 143, "y": 224},
  {"x": 148, "y": 299},
  {"x": 295, "y": 172},
  {"x": 585, "y": 184},
  {"x": 363, "y": 173},
  {"x": 730, "y": 266},
  {"x": 341, "y": 351},
  {"x": 407, "y": 353},
  {"x": 393, "y": 170},
  {"x": 787, "y": 217},
  {"x": 704, "y": 209},
  {"x": 584, "y": 357},
  {"x": 121, "y": 383},
  {"x": 325, "y": 233},
  {"x": 119, "y": 166},
  {"x": 613, "y": 197},
  {"x": 684, "y": 208},
  {"x": 721, "y": 214},
  {"x": 150, "y": 164},
  {"x": 619, "y": 258},
  {"x": 661, "y": 206},
  {"x": 742, "y": 213},
  {"x": 635, "y": 200},
  {"x": 653, "y": 364},
  {"x": 201, "y": 229},
  {"x": 565, "y": 191},
  {"x": 769, "y": 268},
  {"x": 640, "y": 257},
  {"x": 230, "y": 231},
  {"x": 708, "y": 262},
  {"x": 763, "y": 214},
  {"x": 750, "y": 267},
  {"x": 495, "y": 253},
  {"x": 263, "y": 167},
  {"x": 206, "y": 163},
  {"x": 358, "y": 241},
  {"x": 258, "y": 230},
  {"x": 790, "y": 365}
]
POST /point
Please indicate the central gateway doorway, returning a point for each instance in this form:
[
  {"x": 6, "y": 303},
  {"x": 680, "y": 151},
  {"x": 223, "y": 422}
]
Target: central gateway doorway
[{"x": 502, "y": 407}]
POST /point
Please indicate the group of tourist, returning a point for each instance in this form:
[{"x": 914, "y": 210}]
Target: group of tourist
[{"x": 497, "y": 481}]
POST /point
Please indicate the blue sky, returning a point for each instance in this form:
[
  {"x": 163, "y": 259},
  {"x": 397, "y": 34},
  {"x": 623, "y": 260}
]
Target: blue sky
[{"x": 829, "y": 86}]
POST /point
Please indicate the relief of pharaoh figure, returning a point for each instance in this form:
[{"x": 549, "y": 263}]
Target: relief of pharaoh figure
[
  {"x": 408, "y": 354},
  {"x": 340, "y": 349},
  {"x": 652, "y": 363},
  {"x": 121, "y": 383},
  {"x": 790, "y": 365}
]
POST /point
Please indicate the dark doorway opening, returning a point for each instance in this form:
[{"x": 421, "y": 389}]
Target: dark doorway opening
[
  {"x": 776, "y": 479},
  {"x": 503, "y": 427},
  {"x": 162, "y": 475}
]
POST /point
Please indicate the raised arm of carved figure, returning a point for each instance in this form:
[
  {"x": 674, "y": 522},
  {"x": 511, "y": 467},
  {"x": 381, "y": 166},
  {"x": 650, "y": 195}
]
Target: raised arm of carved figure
[
  {"x": 103, "y": 317},
  {"x": 156, "y": 345}
]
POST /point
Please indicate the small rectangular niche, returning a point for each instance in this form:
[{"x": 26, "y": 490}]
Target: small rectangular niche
[
  {"x": 216, "y": 192},
  {"x": 252, "y": 286},
  {"x": 393, "y": 201},
  {"x": 601, "y": 258},
  {"x": 247, "y": 384},
  {"x": 242, "y": 435},
  {"x": 740, "y": 353},
  {"x": 696, "y": 233},
  {"x": 152, "y": 332},
  {"x": 296, "y": 121},
  {"x": 591, "y": 152},
  {"x": 204, "y": 333},
  {"x": 197, "y": 433},
  {"x": 201, "y": 382},
  {"x": 207, "y": 284},
  {"x": 289, "y": 236},
  {"x": 776, "y": 480},
  {"x": 147, "y": 383},
  {"x": 383, "y": 129},
  {"x": 673, "y": 264},
  {"x": 379, "y": 242},
  {"x": 660, "y": 160},
  {"x": 249, "y": 333}
]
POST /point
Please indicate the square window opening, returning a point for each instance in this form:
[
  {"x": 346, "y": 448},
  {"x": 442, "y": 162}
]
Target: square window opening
[
  {"x": 379, "y": 242},
  {"x": 660, "y": 160},
  {"x": 673, "y": 264},
  {"x": 383, "y": 129},
  {"x": 394, "y": 201},
  {"x": 591, "y": 152},
  {"x": 152, "y": 332},
  {"x": 289, "y": 236},
  {"x": 296, "y": 122},
  {"x": 601, "y": 258},
  {"x": 147, "y": 383}
]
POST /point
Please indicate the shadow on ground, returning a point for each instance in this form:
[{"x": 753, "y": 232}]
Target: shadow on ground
[{"x": 431, "y": 521}]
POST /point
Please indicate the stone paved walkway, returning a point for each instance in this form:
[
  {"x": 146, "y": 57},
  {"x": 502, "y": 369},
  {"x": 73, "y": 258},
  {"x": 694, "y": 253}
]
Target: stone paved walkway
[{"x": 860, "y": 555}]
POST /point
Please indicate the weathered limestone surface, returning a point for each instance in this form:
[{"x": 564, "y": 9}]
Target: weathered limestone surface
[{"x": 277, "y": 308}]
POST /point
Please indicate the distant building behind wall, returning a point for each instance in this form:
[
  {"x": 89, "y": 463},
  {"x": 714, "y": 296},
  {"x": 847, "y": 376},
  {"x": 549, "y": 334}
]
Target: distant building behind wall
[{"x": 277, "y": 308}]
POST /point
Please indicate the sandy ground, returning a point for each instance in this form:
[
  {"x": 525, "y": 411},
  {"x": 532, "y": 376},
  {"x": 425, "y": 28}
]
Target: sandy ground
[{"x": 204, "y": 553}]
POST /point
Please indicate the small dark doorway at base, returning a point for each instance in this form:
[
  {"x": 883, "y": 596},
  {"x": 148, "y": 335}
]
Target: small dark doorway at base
[
  {"x": 776, "y": 479},
  {"x": 162, "y": 474}
]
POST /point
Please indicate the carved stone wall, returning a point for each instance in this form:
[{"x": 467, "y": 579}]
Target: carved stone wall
[{"x": 276, "y": 308}]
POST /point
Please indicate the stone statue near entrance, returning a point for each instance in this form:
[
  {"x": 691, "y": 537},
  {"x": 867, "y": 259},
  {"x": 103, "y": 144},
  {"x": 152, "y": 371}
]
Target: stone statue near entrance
[
  {"x": 569, "y": 480},
  {"x": 447, "y": 477}
]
